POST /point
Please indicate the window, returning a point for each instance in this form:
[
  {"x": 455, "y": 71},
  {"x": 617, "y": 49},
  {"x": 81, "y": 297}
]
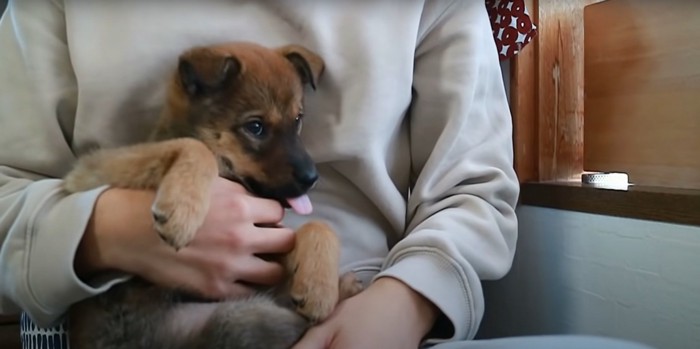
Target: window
[
  {"x": 642, "y": 91},
  {"x": 610, "y": 86}
]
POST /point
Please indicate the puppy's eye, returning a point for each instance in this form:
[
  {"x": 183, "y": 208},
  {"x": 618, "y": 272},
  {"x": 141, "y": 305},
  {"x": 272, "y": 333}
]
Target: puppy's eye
[
  {"x": 255, "y": 128},
  {"x": 299, "y": 121}
]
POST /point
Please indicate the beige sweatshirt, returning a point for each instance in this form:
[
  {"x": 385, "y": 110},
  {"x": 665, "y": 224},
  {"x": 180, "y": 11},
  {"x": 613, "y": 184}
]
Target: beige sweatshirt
[{"x": 425, "y": 194}]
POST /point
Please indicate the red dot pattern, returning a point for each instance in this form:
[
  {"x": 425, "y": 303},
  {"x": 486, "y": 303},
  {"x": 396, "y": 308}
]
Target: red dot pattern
[{"x": 512, "y": 26}]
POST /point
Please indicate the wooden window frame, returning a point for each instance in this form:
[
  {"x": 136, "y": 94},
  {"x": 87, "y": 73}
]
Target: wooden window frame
[{"x": 547, "y": 99}]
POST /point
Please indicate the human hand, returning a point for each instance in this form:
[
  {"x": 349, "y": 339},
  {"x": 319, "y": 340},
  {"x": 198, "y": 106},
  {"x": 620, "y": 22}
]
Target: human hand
[
  {"x": 387, "y": 315},
  {"x": 223, "y": 260}
]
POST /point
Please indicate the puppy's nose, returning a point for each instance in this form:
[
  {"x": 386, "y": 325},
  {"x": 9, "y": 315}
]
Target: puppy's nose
[{"x": 306, "y": 178}]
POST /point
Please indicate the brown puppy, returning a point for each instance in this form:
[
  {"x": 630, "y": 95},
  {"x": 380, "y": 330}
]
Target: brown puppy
[{"x": 232, "y": 110}]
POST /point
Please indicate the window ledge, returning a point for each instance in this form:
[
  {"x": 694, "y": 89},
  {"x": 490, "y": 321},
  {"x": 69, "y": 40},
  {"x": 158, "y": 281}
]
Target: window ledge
[{"x": 681, "y": 206}]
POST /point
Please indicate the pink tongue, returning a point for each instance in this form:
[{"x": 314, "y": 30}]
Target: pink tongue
[{"x": 301, "y": 205}]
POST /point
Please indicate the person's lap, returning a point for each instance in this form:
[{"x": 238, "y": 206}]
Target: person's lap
[
  {"x": 544, "y": 342},
  {"x": 33, "y": 337}
]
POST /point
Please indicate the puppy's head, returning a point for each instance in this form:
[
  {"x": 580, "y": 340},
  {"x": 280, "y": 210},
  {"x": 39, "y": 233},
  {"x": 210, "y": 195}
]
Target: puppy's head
[{"x": 246, "y": 103}]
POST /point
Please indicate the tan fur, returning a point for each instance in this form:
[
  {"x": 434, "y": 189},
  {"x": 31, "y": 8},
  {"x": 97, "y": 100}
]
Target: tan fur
[
  {"x": 181, "y": 169},
  {"x": 199, "y": 137},
  {"x": 312, "y": 275}
]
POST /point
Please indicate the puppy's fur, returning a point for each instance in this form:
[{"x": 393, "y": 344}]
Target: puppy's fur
[{"x": 232, "y": 110}]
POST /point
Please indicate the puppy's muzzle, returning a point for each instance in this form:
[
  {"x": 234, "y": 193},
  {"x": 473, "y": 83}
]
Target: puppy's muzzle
[{"x": 305, "y": 178}]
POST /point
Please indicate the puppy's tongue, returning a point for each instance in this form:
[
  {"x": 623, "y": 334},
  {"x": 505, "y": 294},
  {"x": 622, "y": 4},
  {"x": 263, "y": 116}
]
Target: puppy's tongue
[{"x": 301, "y": 205}]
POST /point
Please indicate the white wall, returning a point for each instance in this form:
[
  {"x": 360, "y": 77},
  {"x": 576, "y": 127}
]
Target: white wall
[{"x": 591, "y": 274}]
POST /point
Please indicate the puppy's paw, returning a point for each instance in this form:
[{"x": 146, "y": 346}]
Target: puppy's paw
[
  {"x": 178, "y": 216},
  {"x": 314, "y": 298},
  {"x": 314, "y": 267},
  {"x": 349, "y": 285}
]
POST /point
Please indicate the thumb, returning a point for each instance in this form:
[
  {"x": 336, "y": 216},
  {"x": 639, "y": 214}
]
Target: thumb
[{"x": 314, "y": 338}]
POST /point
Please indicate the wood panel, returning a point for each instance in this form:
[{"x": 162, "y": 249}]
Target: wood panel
[
  {"x": 560, "y": 71},
  {"x": 523, "y": 103},
  {"x": 547, "y": 98},
  {"x": 642, "y": 91}
]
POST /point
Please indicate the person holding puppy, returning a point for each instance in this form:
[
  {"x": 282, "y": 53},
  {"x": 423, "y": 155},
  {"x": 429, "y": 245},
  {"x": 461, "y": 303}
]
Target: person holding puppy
[{"x": 409, "y": 127}]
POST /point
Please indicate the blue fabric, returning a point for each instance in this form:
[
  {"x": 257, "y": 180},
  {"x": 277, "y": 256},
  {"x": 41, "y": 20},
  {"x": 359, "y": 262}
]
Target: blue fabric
[{"x": 34, "y": 337}]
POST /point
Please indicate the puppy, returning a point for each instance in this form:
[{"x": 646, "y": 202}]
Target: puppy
[{"x": 232, "y": 110}]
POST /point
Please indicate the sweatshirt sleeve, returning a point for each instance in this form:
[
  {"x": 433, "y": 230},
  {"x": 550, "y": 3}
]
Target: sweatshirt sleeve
[
  {"x": 462, "y": 225},
  {"x": 40, "y": 227}
]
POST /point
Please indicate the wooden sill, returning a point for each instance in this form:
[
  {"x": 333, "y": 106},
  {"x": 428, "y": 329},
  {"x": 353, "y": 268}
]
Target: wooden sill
[{"x": 681, "y": 206}]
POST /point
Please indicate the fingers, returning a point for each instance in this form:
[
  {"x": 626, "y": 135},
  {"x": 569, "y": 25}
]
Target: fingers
[
  {"x": 271, "y": 240},
  {"x": 190, "y": 278},
  {"x": 257, "y": 271},
  {"x": 264, "y": 211},
  {"x": 267, "y": 241},
  {"x": 235, "y": 186},
  {"x": 258, "y": 210}
]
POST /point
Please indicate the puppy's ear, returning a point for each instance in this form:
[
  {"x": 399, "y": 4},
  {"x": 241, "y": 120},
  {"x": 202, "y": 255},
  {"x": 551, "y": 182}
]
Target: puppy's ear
[
  {"x": 203, "y": 71},
  {"x": 309, "y": 65}
]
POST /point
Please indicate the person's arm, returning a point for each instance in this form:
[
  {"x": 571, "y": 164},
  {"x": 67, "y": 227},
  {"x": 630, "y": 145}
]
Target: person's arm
[
  {"x": 462, "y": 205},
  {"x": 40, "y": 227}
]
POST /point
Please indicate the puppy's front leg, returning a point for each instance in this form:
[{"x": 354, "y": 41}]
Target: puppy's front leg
[
  {"x": 181, "y": 170},
  {"x": 182, "y": 200},
  {"x": 313, "y": 265}
]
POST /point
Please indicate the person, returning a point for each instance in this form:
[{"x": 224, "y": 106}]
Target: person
[{"x": 409, "y": 126}]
